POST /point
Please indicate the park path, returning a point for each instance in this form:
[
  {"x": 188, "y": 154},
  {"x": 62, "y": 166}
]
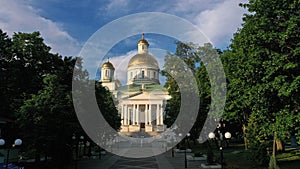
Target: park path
[
  {"x": 161, "y": 161},
  {"x": 138, "y": 147}
]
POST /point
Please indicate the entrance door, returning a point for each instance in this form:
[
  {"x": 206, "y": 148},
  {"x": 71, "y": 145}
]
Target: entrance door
[{"x": 143, "y": 125}]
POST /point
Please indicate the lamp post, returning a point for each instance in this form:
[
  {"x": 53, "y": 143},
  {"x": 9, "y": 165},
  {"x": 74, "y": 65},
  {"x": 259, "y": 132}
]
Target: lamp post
[
  {"x": 17, "y": 142},
  {"x": 88, "y": 144},
  {"x": 227, "y": 136},
  {"x": 81, "y": 149},
  {"x": 116, "y": 141},
  {"x": 77, "y": 151},
  {"x": 172, "y": 141},
  {"x": 185, "y": 139}
]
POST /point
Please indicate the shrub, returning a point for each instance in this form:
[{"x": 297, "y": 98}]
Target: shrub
[
  {"x": 198, "y": 154},
  {"x": 211, "y": 159},
  {"x": 182, "y": 148}
]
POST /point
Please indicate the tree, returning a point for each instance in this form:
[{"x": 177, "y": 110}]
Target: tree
[
  {"x": 50, "y": 118},
  {"x": 107, "y": 107},
  {"x": 37, "y": 92},
  {"x": 263, "y": 71},
  {"x": 198, "y": 59},
  {"x": 5, "y": 57},
  {"x": 25, "y": 61},
  {"x": 179, "y": 66}
]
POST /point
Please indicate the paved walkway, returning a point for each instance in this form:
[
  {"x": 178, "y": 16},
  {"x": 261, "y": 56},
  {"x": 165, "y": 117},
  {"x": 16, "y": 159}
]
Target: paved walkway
[
  {"x": 163, "y": 161},
  {"x": 130, "y": 150}
]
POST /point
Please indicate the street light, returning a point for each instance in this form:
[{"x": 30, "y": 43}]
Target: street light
[
  {"x": 81, "y": 149},
  {"x": 227, "y": 136},
  {"x": 185, "y": 139},
  {"x": 88, "y": 144},
  {"x": 17, "y": 142},
  {"x": 173, "y": 138},
  {"x": 77, "y": 151}
]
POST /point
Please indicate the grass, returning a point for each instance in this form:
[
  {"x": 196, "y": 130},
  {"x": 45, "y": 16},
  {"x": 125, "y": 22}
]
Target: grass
[
  {"x": 289, "y": 159},
  {"x": 236, "y": 157}
]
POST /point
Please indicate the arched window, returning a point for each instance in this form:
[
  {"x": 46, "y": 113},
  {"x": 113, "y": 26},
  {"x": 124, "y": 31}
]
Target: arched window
[
  {"x": 106, "y": 73},
  {"x": 143, "y": 74}
]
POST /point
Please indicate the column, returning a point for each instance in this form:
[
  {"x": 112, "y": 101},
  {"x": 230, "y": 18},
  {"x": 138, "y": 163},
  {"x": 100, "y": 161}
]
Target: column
[
  {"x": 133, "y": 114},
  {"x": 157, "y": 114},
  {"x": 161, "y": 114},
  {"x": 137, "y": 114},
  {"x": 146, "y": 114},
  {"x": 128, "y": 114},
  {"x": 150, "y": 114},
  {"x": 122, "y": 114},
  {"x": 125, "y": 114}
]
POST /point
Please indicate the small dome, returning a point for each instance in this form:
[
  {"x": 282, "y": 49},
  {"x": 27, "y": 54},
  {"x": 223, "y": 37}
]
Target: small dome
[
  {"x": 108, "y": 65},
  {"x": 143, "y": 59},
  {"x": 143, "y": 40}
]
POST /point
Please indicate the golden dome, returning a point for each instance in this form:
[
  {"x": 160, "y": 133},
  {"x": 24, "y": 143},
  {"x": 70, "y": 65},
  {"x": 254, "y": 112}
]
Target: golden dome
[
  {"x": 143, "y": 59},
  {"x": 108, "y": 65}
]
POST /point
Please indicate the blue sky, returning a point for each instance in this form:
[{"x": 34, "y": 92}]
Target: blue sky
[{"x": 66, "y": 25}]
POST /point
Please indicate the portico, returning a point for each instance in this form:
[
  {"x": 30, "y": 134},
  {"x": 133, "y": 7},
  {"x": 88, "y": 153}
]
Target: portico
[{"x": 142, "y": 114}]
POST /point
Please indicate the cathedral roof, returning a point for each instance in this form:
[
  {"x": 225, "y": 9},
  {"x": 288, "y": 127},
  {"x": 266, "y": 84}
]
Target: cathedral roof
[
  {"x": 137, "y": 88},
  {"x": 143, "y": 59},
  {"x": 108, "y": 65}
]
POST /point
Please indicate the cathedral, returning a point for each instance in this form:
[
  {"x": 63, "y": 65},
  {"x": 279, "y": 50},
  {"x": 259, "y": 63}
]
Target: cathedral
[{"x": 141, "y": 101}]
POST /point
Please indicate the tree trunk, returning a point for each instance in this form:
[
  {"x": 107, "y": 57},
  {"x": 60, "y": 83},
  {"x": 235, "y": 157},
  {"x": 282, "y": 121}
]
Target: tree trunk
[
  {"x": 194, "y": 141},
  {"x": 46, "y": 157},
  {"x": 279, "y": 145},
  {"x": 245, "y": 138},
  {"x": 274, "y": 165},
  {"x": 37, "y": 157}
]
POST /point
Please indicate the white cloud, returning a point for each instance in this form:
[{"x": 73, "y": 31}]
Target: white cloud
[
  {"x": 114, "y": 7},
  {"x": 217, "y": 19},
  {"x": 219, "y": 23},
  {"x": 194, "y": 6},
  {"x": 18, "y": 16},
  {"x": 116, "y": 4}
]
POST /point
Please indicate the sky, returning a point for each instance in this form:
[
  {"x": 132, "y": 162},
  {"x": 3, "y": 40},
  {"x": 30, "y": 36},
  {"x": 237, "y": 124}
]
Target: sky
[{"x": 67, "y": 25}]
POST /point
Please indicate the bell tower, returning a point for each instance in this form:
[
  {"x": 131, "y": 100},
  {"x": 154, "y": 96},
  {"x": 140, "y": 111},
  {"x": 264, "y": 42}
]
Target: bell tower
[
  {"x": 143, "y": 45},
  {"x": 107, "y": 72}
]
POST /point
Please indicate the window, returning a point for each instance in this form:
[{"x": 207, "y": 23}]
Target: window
[
  {"x": 143, "y": 74},
  {"x": 106, "y": 73},
  {"x": 154, "y": 75}
]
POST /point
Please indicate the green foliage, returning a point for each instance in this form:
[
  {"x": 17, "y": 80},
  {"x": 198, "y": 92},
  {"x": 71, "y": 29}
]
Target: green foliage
[
  {"x": 197, "y": 59},
  {"x": 198, "y": 154},
  {"x": 36, "y": 91},
  {"x": 107, "y": 107},
  {"x": 50, "y": 117},
  {"x": 25, "y": 61},
  {"x": 211, "y": 158},
  {"x": 263, "y": 71}
]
